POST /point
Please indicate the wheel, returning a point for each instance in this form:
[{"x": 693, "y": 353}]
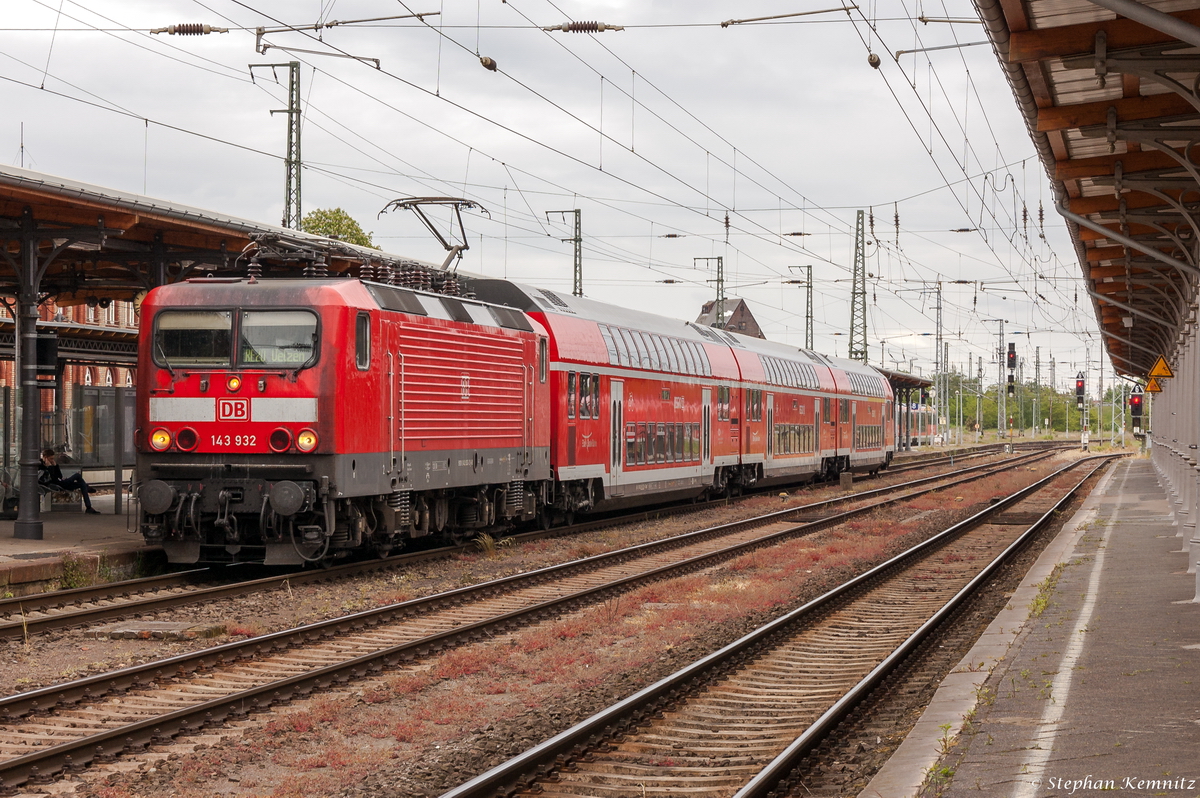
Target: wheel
[
  {"x": 569, "y": 518},
  {"x": 544, "y": 518}
]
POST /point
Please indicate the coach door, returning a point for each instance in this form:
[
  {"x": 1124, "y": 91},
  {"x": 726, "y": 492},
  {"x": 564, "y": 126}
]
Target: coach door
[
  {"x": 706, "y": 427},
  {"x": 770, "y": 447},
  {"x": 616, "y": 437},
  {"x": 853, "y": 426}
]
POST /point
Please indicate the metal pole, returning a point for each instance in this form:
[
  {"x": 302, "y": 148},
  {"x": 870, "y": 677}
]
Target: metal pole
[
  {"x": 979, "y": 403},
  {"x": 1037, "y": 389},
  {"x": 28, "y": 525},
  {"x": 858, "y": 295},
  {"x": 808, "y": 313},
  {"x": 577, "y": 240},
  {"x": 292, "y": 165},
  {"x": 1001, "y": 415},
  {"x": 119, "y": 450}
]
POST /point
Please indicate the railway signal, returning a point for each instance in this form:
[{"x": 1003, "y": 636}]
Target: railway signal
[
  {"x": 1012, "y": 356},
  {"x": 1080, "y": 388},
  {"x": 1135, "y": 407}
]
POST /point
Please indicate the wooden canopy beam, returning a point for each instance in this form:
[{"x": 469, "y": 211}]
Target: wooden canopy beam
[{"x": 1067, "y": 40}]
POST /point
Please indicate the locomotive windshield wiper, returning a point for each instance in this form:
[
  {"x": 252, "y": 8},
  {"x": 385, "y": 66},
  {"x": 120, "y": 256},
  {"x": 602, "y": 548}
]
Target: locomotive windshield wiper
[{"x": 166, "y": 362}]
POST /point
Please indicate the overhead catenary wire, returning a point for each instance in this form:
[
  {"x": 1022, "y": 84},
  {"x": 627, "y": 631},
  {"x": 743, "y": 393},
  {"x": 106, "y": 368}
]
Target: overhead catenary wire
[{"x": 644, "y": 203}]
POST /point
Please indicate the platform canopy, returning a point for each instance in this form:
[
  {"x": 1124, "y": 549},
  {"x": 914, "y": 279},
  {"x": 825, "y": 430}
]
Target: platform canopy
[
  {"x": 95, "y": 243},
  {"x": 1108, "y": 89},
  {"x": 902, "y": 379}
]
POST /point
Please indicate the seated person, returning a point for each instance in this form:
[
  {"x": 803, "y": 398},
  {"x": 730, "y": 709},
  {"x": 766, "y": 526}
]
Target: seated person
[{"x": 51, "y": 475}]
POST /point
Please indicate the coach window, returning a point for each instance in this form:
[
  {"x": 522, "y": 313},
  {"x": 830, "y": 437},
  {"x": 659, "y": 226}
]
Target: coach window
[
  {"x": 570, "y": 394},
  {"x": 685, "y": 358},
  {"x": 661, "y": 448},
  {"x": 825, "y": 411},
  {"x": 641, "y": 444},
  {"x": 679, "y": 443},
  {"x": 630, "y": 444},
  {"x": 362, "y": 342},
  {"x": 675, "y": 356},
  {"x": 649, "y": 358},
  {"x": 664, "y": 354},
  {"x": 595, "y": 396},
  {"x": 672, "y": 355},
  {"x": 543, "y": 360},
  {"x": 585, "y": 395},
  {"x": 656, "y": 352},
  {"x": 844, "y": 410},
  {"x": 628, "y": 352},
  {"x": 609, "y": 344}
]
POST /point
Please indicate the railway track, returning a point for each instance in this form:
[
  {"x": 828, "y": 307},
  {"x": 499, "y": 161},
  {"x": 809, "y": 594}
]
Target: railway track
[
  {"x": 44, "y": 732},
  {"x": 925, "y": 460},
  {"x": 25, "y": 616},
  {"x": 739, "y": 721}
]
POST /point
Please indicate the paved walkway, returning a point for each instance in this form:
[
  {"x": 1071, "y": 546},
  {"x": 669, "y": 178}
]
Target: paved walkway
[{"x": 1100, "y": 694}]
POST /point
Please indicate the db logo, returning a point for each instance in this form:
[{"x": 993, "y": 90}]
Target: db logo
[{"x": 233, "y": 410}]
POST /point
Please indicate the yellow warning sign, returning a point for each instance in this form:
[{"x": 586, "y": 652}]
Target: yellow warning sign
[
  {"x": 1152, "y": 386},
  {"x": 1161, "y": 369}
]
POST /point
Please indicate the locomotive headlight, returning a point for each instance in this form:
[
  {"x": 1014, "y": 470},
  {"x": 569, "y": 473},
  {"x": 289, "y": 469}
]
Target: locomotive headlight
[
  {"x": 233, "y": 384},
  {"x": 160, "y": 440},
  {"x": 306, "y": 441}
]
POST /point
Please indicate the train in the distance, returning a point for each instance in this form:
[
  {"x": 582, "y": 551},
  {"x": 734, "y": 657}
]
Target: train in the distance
[{"x": 284, "y": 421}]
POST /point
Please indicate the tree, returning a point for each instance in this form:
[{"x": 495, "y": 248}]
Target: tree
[{"x": 336, "y": 223}]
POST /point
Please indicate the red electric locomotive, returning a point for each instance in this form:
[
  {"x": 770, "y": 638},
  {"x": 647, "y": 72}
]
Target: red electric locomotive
[{"x": 284, "y": 421}]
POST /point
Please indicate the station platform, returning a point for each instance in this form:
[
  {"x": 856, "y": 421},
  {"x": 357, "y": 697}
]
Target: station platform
[
  {"x": 74, "y": 547},
  {"x": 1100, "y": 693}
]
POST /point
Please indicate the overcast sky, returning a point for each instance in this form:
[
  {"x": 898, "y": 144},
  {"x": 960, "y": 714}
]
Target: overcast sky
[{"x": 657, "y": 130}]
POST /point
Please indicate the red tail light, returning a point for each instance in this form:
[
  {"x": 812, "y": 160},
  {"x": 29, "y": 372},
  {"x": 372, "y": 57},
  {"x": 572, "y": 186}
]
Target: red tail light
[{"x": 280, "y": 440}]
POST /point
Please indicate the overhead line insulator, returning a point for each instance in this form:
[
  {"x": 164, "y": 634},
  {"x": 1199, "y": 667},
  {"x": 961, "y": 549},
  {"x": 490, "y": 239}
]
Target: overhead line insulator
[
  {"x": 189, "y": 29},
  {"x": 585, "y": 27}
]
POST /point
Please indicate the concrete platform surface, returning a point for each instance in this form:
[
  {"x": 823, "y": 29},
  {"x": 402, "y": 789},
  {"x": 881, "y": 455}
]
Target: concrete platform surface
[
  {"x": 1098, "y": 695},
  {"x": 95, "y": 545}
]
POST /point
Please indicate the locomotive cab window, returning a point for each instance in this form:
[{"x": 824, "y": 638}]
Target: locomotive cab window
[
  {"x": 362, "y": 341},
  {"x": 193, "y": 338},
  {"x": 277, "y": 338},
  {"x": 543, "y": 359}
]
